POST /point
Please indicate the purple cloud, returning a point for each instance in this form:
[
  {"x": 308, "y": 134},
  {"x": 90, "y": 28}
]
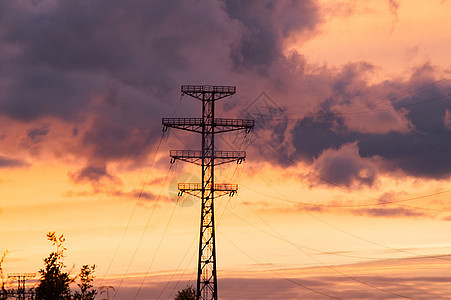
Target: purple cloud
[{"x": 7, "y": 162}]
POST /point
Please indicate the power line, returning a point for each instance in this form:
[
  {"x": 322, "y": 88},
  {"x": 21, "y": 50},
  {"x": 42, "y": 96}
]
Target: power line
[
  {"x": 139, "y": 198},
  {"x": 231, "y": 177},
  {"x": 343, "y": 231},
  {"x": 369, "y": 106},
  {"x": 310, "y": 172},
  {"x": 144, "y": 232},
  {"x": 277, "y": 273},
  {"x": 178, "y": 267},
  {"x": 405, "y": 94},
  {"x": 134, "y": 208},
  {"x": 351, "y": 205},
  {"x": 208, "y": 126},
  {"x": 329, "y": 253},
  {"x": 369, "y": 241},
  {"x": 373, "y": 204},
  {"x": 156, "y": 252},
  {"x": 292, "y": 243},
  {"x": 425, "y": 208},
  {"x": 283, "y": 238},
  {"x": 191, "y": 278},
  {"x": 408, "y": 104}
]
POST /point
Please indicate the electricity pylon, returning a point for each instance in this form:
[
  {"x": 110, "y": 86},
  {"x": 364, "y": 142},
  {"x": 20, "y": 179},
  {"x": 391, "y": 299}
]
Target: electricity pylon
[
  {"x": 21, "y": 278},
  {"x": 207, "y": 158}
]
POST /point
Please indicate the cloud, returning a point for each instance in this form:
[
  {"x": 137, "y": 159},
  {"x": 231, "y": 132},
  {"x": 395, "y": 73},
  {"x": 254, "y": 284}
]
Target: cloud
[
  {"x": 345, "y": 167},
  {"x": 7, "y": 162},
  {"x": 137, "y": 194},
  {"x": 420, "y": 149},
  {"x": 110, "y": 71},
  {"x": 146, "y": 196},
  {"x": 36, "y": 91},
  {"x": 322, "y": 132},
  {"x": 265, "y": 25},
  {"x": 394, "y": 7},
  {"x": 397, "y": 212},
  {"x": 36, "y": 135},
  {"x": 108, "y": 139},
  {"x": 105, "y": 69},
  {"x": 94, "y": 175}
]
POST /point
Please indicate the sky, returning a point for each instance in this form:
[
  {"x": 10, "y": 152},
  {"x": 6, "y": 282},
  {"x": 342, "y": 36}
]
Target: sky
[{"x": 344, "y": 193}]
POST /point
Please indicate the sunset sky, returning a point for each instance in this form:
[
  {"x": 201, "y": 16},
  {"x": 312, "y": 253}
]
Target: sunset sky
[{"x": 345, "y": 191}]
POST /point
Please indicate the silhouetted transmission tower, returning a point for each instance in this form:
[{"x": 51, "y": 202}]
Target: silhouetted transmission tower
[
  {"x": 207, "y": 158},
  {"x": 20, "y": 293}
]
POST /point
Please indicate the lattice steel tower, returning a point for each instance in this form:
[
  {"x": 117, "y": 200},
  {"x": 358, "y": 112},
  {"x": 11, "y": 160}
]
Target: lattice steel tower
[
  {"x": 207, "y": 158},
  {"x": 21, "y": 279}
]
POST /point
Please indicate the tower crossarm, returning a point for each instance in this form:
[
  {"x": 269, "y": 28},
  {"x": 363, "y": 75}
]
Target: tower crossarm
[
  {"x": 189, "y": 124},
  {"x": 214, "y": 91},
  {"x": 207, "y": 158},
  {"x": 21, "y": 275},
  {"x": 226, "y": 125},
  {"x": 21, "y": 279},
  {"x": 196, "y": 124},
  {"x": 195, "y": 188},
  {"x": 195, "y": 156}
]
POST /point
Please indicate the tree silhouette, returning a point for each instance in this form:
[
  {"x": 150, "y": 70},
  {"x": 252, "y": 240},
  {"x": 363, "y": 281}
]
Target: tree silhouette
[
  {"x": 188, "y": 293},
  {"x": 86, "y": 288},
  {"x": 54, "y": 283}
]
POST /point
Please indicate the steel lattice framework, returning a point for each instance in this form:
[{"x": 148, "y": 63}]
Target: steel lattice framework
[
  {"x": 207, "y": 158},
  {"x": 21, "y": 278}
]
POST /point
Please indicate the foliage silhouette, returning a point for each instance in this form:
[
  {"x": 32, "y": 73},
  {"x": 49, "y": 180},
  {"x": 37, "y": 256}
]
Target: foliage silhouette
[
  {"x": 188, "y": 293},
  {"x": 54, "y": 282},
  {"x": 86, "y": 288}
]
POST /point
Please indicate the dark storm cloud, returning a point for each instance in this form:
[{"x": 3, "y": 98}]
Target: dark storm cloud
[
  {"x": 421, "y": 151},
  {"x": 110, "y": 70},
  {"x": 266, "y": 23},
  {"x": 101, "y": 35},
  {"x": 42, "y": 91},
  {"x": 313, "y": 134},
  {"x": 111, "y": 139},
  {"x": 64, "y": 52}
]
